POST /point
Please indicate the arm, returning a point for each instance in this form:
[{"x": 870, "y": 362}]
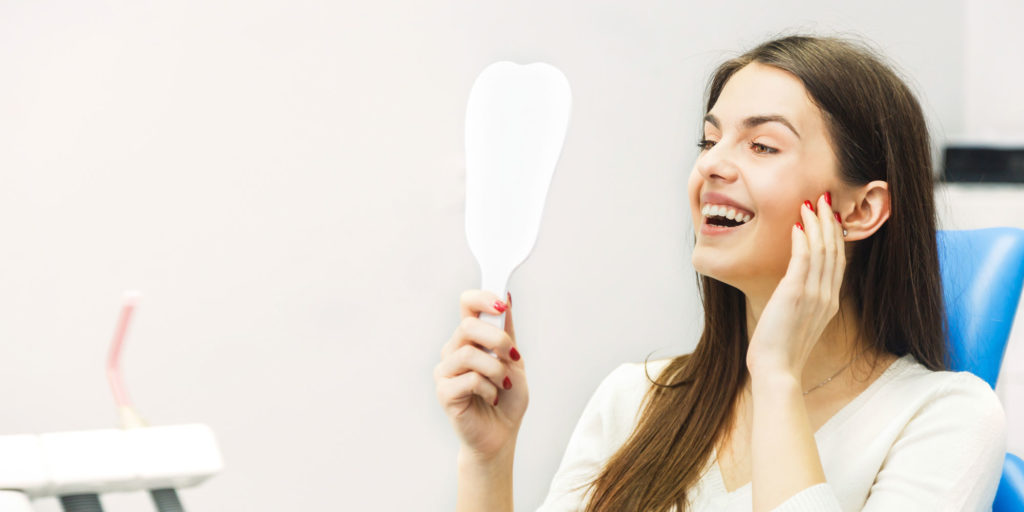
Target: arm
[
  {"x": 485, "y": 485},
  {"x": 786, "y": 467},
  {"x": 784, "y": 452}
]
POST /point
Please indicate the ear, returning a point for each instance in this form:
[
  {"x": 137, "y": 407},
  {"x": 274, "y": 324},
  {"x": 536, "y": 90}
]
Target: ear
[{"x": 867, "y": 212}]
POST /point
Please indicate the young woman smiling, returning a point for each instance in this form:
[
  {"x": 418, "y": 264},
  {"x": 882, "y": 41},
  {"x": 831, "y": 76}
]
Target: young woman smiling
[{"x": 820, "y": 381}]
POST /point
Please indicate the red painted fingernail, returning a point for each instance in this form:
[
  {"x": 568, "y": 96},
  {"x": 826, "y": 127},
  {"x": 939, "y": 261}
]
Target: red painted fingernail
[
  {"x": 838, "y": 219},
  {"x": 507, "y": 384},
  {"x": 499, "y": 306},
  {"x": 828, "y": 198},
  {"x": 801, "y": 226},
  {"x": 495, "y": 401},
  {"x": 514, "y": 354},
  {"x": 809, "y": 205}
]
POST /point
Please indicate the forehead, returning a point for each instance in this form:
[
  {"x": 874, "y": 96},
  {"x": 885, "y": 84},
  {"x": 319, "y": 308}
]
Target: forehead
[{"x": 759, "y": 89}]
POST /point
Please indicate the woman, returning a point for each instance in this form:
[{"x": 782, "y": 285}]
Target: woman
[{"x": 823, "y": 350}]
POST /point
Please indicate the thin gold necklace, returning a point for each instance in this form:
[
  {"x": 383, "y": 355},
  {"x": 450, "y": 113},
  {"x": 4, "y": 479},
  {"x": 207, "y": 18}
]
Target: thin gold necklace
[{"x": 834, "y": 376}]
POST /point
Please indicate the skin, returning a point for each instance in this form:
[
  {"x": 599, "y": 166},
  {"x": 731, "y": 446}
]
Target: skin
[{"x": 790, "y": 277}]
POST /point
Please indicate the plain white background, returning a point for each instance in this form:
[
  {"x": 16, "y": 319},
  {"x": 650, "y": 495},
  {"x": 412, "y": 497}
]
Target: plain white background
[{"x": 284, "y": 183}]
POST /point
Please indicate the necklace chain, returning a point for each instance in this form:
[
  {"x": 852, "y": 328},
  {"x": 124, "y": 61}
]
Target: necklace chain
[{"x": 833, "y": 376}]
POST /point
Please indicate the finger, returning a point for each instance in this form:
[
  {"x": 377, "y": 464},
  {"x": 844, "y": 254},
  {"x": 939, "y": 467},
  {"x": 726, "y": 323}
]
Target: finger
[
  {"x": 828, "y": 238},
  {"x": 812, "y": 229},
  {"x": 471, "y": 359},
  {"x": 509, "y": 327},
  {"x": 837, "y": 280},
  {"x": 474, "y": 331},
  {"x": 453, "y": 392},
  {"x": 798, "y": 259},
  {"x": 474, "y": 302}
]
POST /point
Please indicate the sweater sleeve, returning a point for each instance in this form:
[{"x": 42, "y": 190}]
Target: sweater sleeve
[
  {"x": 586, "y": 452},
  {"x": 949, "y": 457}
]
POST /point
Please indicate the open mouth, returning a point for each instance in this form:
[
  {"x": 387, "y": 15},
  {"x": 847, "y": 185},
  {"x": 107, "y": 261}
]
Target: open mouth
[{"x": 725, "y": 216}]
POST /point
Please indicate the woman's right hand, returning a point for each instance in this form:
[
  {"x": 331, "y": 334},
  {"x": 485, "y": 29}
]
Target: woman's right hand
[{"x": 484, "y": 396}]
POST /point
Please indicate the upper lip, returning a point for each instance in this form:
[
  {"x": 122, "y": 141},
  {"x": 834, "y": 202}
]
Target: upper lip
[{"x": 721, "y": 199}]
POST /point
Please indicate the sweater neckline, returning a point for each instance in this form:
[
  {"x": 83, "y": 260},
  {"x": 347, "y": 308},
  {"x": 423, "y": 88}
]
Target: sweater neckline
[{"x": 831, "y": 424}]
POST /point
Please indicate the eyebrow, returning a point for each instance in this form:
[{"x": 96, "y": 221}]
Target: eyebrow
[{"x": 753, "y": 121}]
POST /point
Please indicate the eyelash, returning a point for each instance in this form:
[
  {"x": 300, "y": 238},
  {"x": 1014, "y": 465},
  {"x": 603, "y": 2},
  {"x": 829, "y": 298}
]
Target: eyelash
[{"x": 703, "y": 144}]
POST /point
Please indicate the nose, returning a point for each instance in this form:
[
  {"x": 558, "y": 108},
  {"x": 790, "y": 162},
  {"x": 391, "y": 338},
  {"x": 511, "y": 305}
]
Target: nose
[{"x": 716, "y": 164}]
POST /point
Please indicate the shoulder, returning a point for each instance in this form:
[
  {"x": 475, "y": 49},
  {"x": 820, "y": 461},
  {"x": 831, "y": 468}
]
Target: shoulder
[
  {"x": 638, "y": 374},
  {"x": 620, "y": 395},
  {"x": 936, "y": 437},
  {"x": 951, "y": 391},
  {"x": 948, "y": 404}
]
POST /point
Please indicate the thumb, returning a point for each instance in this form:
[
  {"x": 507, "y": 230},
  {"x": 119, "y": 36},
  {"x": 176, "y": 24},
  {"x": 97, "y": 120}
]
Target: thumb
[{"x": 509, "y": 328}]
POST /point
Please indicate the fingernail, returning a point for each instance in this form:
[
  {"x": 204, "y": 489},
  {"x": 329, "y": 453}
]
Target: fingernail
[
  {"x": 799, "y": 225},
  {"x": 838, "y": 219},
  {"x": 828, "y": 198},
  {"x": 507, "y": 384},
  {"x": 809, "y": 205},
  {"x": 500, "y": 306},
  {"x": 514, "y": 354},
  {"x": 495, "y": 401},
  {"x": 509, "y": 298}
]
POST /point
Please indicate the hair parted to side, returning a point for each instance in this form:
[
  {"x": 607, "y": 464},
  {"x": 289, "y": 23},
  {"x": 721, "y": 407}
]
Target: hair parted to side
[{"x": 878, "y": 132}]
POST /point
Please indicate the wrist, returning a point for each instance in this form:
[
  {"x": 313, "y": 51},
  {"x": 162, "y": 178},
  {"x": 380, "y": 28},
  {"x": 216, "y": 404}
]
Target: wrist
[
  {"x": 493, "y": 463},
  {"x": 774, "y": 379},
  {"x": 485, "y": 481}
]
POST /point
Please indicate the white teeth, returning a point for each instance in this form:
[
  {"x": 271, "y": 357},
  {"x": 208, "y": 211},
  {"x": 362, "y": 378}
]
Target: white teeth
[{"x": 714, "y": 210}]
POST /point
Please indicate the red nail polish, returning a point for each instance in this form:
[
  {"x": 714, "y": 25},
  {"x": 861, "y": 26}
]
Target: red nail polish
[
  {"x": 799, "y": 225},
  {"x": 809, "y": 205},
  {"x": 499, "y": 306},
  {"x": 507, "y": 384},
  {"x": 839, "y": 220},
  {"x": 495, "y": 401},
  {"x": 514, "y": 354},
  {"x": 828, "y": 198}
]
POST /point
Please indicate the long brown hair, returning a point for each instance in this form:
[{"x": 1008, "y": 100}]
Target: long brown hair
[{"x": 878, "y": 132}]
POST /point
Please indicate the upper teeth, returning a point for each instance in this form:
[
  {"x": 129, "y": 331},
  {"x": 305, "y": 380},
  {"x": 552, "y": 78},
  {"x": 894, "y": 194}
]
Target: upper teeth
[{"x": 714, "y": 210}]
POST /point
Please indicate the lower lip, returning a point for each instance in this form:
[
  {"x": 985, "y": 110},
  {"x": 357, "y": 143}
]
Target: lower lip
[{"x": 712, "y": 230}]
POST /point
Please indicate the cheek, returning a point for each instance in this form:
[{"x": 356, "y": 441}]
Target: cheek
[
  {"x": 693, "y": 192},
  {"x": 693, "y": 185}
]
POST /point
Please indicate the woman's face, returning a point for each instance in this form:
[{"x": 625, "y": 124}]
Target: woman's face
[{"x": 767, "y": 151}]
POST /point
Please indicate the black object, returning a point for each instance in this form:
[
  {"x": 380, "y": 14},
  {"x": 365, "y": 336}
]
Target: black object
[
  {"x": 81, "y": 503},
  {"x": 166, "y": 500},
  {"x": 980, "y": 164}
]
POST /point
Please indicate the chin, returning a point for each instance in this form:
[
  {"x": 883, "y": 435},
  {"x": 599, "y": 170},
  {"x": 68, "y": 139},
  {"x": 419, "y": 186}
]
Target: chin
[{"x": 719, "y": 269}]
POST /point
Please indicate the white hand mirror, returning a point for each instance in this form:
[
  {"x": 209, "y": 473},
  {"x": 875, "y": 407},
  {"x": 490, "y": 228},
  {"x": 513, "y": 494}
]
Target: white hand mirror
[{"x": 516, "y": 120}]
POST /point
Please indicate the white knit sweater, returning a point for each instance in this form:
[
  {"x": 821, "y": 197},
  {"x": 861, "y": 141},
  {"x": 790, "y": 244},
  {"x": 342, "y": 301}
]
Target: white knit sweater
[{"x": 913, "y": 440}]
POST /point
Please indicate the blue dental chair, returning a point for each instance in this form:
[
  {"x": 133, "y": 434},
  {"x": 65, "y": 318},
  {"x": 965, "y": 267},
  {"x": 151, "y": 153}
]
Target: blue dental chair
[{"x": 982, "y": 273}]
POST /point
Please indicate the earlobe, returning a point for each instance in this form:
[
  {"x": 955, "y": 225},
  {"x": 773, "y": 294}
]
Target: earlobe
[{"x": 871, "y": 206}]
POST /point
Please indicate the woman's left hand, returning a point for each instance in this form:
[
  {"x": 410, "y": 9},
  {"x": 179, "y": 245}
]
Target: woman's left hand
[{"x": 806, "y": 298}]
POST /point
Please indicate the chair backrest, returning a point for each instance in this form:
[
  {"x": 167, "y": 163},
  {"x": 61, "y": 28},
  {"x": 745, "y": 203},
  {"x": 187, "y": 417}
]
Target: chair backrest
[{"x": 982, "y": 273}]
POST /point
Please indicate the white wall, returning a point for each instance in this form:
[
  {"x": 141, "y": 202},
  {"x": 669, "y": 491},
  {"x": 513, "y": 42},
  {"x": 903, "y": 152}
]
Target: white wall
[
  {"x": 993, "y": 111},
  {"x": 284, "y": 182}
]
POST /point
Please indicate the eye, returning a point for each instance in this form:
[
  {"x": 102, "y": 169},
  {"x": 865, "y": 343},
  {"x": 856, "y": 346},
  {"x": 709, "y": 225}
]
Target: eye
[
  {"x": 705, "y": 144},
  {"x": 761, "y": 149}
]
